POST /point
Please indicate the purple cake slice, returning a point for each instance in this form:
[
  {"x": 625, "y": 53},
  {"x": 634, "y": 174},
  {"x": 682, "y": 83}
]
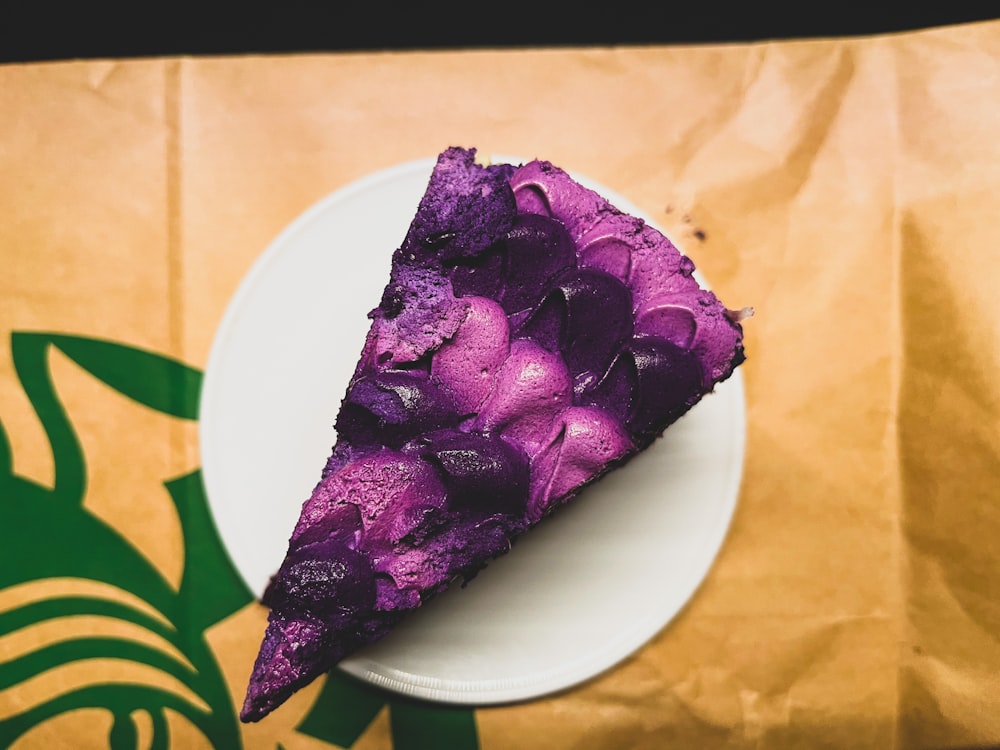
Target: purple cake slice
[{"x": 531, "y": 338}]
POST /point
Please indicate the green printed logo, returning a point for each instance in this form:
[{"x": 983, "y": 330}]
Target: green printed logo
[{"x": 47, "y": 533}]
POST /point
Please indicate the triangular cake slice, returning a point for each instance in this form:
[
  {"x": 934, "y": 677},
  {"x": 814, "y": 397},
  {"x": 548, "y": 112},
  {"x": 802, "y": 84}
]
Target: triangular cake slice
[{"x": 531, "y": 338}]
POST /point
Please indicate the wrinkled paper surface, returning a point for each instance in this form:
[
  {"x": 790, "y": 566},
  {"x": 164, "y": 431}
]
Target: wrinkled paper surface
[{"x": 847, "y": 189}]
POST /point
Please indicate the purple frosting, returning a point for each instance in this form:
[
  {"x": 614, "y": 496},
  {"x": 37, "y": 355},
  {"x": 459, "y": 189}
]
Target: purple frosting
[{"x": 531, "y": 338}]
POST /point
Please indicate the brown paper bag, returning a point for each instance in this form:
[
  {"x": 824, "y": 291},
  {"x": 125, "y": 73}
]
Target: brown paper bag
[{"x": 845, "y": 188}]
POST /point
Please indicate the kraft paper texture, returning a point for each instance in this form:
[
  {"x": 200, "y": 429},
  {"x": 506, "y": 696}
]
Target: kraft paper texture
[{"x": 848, "y": 190}]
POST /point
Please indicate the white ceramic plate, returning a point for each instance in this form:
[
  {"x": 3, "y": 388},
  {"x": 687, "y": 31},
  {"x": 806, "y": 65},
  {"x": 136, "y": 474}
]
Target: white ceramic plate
[{"x": 578, "y": 594}]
